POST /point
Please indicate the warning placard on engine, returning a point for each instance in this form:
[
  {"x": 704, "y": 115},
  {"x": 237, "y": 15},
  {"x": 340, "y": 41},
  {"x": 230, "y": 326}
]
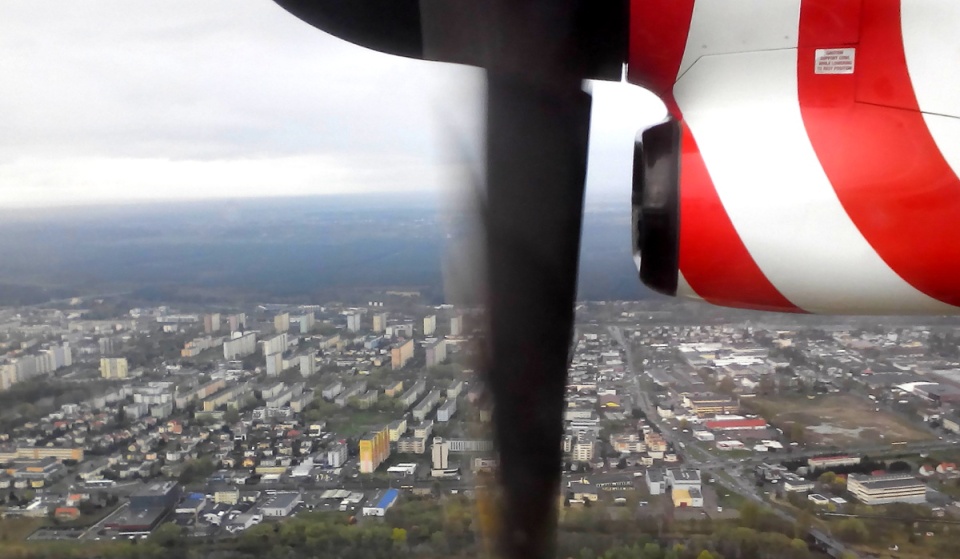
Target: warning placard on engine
[{"x": 834, "y": 61}]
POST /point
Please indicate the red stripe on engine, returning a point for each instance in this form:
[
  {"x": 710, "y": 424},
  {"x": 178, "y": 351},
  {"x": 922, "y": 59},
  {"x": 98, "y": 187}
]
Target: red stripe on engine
[
  {"x": 884, "y": 165},
  {"x": 658, "y": 38},
  {"x": 713, "y": 258}
]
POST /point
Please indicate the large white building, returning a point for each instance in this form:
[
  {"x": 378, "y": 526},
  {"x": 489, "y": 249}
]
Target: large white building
[
  {"x": 446, "y": 411},
  {"x": 429, "y": 325},
  {"x": 881, "y": 490},
  {"x": 282, "y": 504},
  {"x": 241, "y": 345}
]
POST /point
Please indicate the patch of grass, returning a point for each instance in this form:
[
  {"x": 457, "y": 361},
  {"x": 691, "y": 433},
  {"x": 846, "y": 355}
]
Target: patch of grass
[{"x": 845, "y": 413}]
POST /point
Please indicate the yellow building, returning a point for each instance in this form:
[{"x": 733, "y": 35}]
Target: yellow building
[
  {"x": 38, "y": 452},
  {"x": 374, "y": 450},
  {"x": 397, "y": 429},
  {"x": 401, "y": 354},
  {"x": 393, "y": 389},
  {"x": 114, "y": 367}
]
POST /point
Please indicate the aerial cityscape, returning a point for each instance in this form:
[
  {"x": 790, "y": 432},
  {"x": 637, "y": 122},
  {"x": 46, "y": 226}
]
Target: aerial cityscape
[{"x": 357, "y": 430}]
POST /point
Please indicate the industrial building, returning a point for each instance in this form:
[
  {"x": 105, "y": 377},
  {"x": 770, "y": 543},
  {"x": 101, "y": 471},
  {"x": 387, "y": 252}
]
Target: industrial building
[
  {"x": 282, "y": 504},
  {"x": 382, "y": 502},
  {"x": 711, "y": 404},
  {"x": 882, "y": 490}
]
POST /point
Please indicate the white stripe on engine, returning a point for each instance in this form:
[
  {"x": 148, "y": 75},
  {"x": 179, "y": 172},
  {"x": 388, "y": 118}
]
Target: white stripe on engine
[
  {"x": 932, "y": 48},
  {"x": 728, "y": 26},
  {"x": 744, "y": 112}
]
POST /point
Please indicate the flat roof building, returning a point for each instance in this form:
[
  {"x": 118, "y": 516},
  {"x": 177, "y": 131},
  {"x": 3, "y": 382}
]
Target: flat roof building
[{"x": 881, "y": 490}]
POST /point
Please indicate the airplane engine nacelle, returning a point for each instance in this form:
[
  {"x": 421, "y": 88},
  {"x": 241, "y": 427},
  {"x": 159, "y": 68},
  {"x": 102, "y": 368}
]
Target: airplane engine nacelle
[{"x": 812, "y": 157}]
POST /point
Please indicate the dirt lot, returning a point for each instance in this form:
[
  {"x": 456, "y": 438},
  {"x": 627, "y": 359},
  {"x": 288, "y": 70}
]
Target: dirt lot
[{"x": 838, "y": 420}]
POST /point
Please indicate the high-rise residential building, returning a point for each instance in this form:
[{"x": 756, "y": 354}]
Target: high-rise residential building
[
  {"x": 456, "y": 325},
  {"x": 374, "y": 449},
  {"x": 241, "y": 345},
  {"x": 306, "y": 322},
  {"x": 281, "y": 322},
  {"x": 436, "y": 353},
  {"x": 114, "y": 367},
  {"x": 308, "y": 365},
  {"x": 446, "y": 411},
  {"x": 353, "y": 322},
  {"x": 429, "y": 325},
  {"x": 211, "y": 323},
  {"x": 440, "y": 454},
  {"x": 401, "y": 354},
  {"x": 379, "y": 322},
  {"x": 237, "y": 322},
  {"x": 274, "y": 364},
  {"x": 107, "y": 345},
  {"x": 584, "y": 448},
  {"x": 276, "y": 344}
]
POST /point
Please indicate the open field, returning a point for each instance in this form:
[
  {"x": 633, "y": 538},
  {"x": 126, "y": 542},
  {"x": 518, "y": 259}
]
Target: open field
[{"x": 837, "y": 420}]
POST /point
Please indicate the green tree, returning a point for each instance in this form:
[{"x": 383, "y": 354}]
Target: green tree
[
  {"x": 705, "y": 555},
  {"x": 399, "y": 536},
  {"x": 827, "y": 478},
  {"x": 852, "y": 530}
]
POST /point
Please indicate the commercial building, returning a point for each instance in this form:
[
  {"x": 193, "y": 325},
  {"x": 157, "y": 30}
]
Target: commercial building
[
  {"x": 240, "y": 345},
  {"x": 382, "y": 502},
  {"x": 374, "y": 449},
  {"x": 114, "y": 367},
  {"x": 796, "y": 484},
  {"x": 711, "y": 404},
  {"x": 446, "y": 411},
  {"x": 823, "y": 462},
  {"x": 687, "y": 498},
  {"x": 156, "y": 495},
  {"x": 282, "y": 504},
  {"x": 882, "y": 490},
  {"x": 436, "y": 353},
  {"x": 401, "y": 354},
  {"x": 429, "y": 325},
  {"x": 683, "y": 478}
]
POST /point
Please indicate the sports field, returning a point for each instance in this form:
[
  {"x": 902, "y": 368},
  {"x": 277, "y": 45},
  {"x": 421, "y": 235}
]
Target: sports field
[{"x": 837, "y": 420}]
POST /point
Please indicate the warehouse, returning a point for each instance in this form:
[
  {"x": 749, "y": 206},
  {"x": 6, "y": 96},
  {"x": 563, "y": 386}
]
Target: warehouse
[
  {"x": 282, "y": 504},
  {"x": 383, "y": 502}
]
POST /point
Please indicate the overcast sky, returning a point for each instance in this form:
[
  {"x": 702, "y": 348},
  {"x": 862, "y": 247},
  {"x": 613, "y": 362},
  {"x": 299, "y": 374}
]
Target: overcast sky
[{"x": 120, "y": 100}]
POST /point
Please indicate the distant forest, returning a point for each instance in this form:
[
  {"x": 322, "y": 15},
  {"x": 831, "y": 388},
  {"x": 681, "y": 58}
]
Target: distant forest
[{"x": 281, "y": 249}]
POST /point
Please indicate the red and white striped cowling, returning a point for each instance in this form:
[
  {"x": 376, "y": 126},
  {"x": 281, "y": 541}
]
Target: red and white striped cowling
[{"x": 820, "y": 149}]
